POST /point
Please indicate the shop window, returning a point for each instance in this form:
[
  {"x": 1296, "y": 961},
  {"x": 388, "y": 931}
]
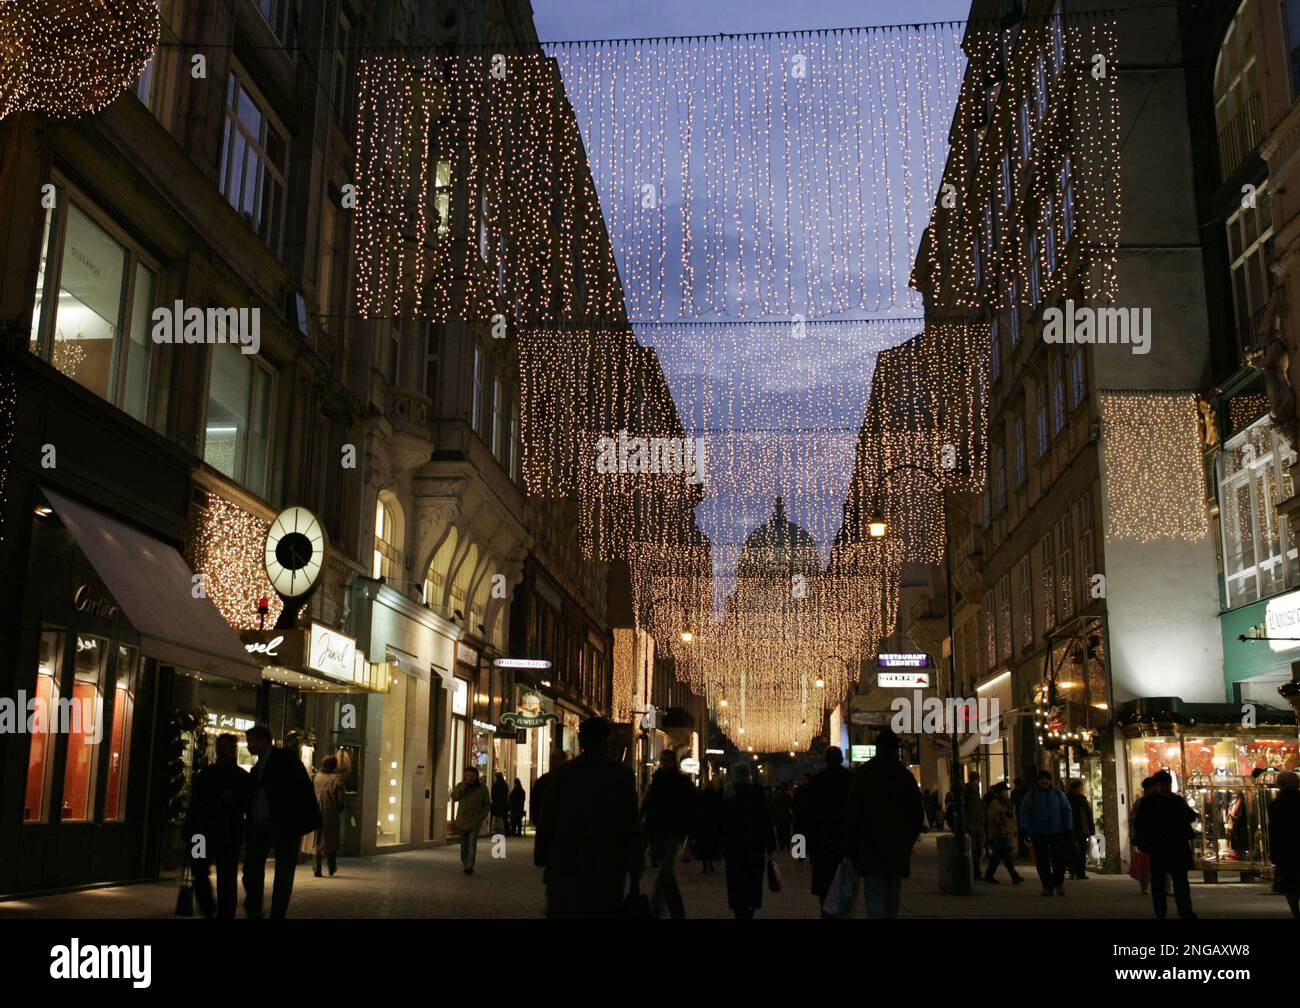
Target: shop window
[
  {"x": 254, "y": 161},
  {"x": 40, "y": 754},
  {"x": 120, "y": 736},
  {"x": 94, "y": 297},
  {"x": 1259, "y": 555},
  {"x": 83, "y": 728},
  {"x": 237, "y": 435},
  {"x": 393, "y": 823}
]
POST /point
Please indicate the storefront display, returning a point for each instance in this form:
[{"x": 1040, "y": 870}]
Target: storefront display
[{"x": 1228, "y": 776}]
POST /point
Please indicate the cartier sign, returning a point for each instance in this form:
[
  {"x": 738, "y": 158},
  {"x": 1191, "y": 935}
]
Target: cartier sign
[{"x": 84, "y": 601}]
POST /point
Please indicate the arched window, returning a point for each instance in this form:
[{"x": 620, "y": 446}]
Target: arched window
[
  {"x": 387, "y": 531},
  {"x": 1236, "y": 91}
]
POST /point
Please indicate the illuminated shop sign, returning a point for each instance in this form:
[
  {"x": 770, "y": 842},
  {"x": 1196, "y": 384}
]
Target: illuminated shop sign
[
  {"x": 909, "y": 659},
  {"x": 522, "y": 663},
  {"x": 1282, "y": 618},
  {"x": 332, "y": 653},
  {"x": 530, "y": 713},
  {"x": 909, "y": 680}
]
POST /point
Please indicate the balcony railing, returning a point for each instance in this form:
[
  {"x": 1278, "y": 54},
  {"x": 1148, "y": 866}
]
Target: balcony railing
[{"x": 1239, "y": 138}]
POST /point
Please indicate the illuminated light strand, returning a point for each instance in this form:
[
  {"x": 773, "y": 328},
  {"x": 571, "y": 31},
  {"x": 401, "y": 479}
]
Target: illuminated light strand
[
  {"x": 1151, "y": 450},
  {"x": 226, "y": 545}
]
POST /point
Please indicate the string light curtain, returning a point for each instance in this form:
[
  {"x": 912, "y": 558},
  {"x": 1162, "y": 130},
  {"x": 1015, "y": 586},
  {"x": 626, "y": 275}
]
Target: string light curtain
[
  {"x": 1151, "y": 452},
  {"x": 70, "y": 58},
  {"x": 226, "y": 545}
]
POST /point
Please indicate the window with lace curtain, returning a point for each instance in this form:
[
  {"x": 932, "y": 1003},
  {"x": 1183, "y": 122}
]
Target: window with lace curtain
[{"x": 1259, "y": 555}]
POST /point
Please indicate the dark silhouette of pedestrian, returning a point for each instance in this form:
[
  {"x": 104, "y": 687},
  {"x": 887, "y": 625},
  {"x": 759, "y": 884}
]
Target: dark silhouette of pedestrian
[
  {"x": 518, "y": 800},
  {"x": 500, "y": 803},
  {"x": 883, "y": 824},
  {"x": 219, "y": 799},
  {"x": 473, "y": 805},
  {"x": 589, "y": 839},
  {"x": 707, "y": 832},
  {"x": 1284, "y": 838},
  {"x": 1046, "y": 818},
  {"x": 282, "y": 810},
  {"x": 558, "y": 759},
  {"x": 667, "y": 815},
  {"x": 1163, "y": 828},
  {"x": 1081, "y": 829},
  {"x": 328, "y": 785},
  {"x": 1002, "y": 832},
  {"x": 828, "y": 806},
  {"x": 748, "y": 841},
  {"x": 801, "y": 810}
]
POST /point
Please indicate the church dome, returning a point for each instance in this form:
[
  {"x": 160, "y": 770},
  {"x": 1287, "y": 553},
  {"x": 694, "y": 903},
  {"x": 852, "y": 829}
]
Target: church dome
[{"x": 779, "y": 546}]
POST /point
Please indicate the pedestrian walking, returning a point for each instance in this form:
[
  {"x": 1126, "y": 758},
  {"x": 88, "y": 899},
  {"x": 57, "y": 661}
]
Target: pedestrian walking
[
  {"x": 1003, "y": 833},
  {"x": 707, "y": 831},
  {"x": 1139, "y": 864},
  {"x": 1045, "y": 817},
  {"x": 282, "y": 811},
  {"x": 934, "y": 810},
  {"x": 1081, "y": 829},
  {"x": 328, "y": 786},
  {"x": 883, "y": 823},
  {"x": 518, "y": 800},
  {"x": 748, "y": 841},
  {"x": 972, "y": 802},
  {"x": 1284, "y": 838},
  {"x": 666, "y": 816},
  {"x": 500, "y": 803},
  {"x": 1163, "y": 828},
  {"x": 219, "y": 800},
  {"x": 473, "y": 805},
  {"x": 589, "y": 837},
  {"x": 828, "y": 807}
]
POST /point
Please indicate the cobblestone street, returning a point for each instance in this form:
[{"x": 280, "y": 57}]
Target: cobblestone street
[{"x": 429, "y": 884}]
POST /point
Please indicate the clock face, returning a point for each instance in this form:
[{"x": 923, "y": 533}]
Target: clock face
[{"x": 295, "y": 551}]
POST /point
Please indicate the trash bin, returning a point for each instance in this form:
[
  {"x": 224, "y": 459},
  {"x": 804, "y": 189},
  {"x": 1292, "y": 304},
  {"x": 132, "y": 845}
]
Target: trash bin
[{"x": 946, "y": 848}]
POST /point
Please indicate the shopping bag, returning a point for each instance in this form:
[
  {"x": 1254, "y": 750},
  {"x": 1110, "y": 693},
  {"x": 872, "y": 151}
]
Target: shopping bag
[
  {"x": 843, "y": 893},
  {"x": 773, "y": 876}
]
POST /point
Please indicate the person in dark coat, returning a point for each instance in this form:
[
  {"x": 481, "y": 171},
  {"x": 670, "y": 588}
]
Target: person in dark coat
[
  {"x": 1163, "y": 825},
  {"x": 1284, "y": 838},
  {"x": 518, "y": 799},
  {"x": 707, "y": 830},
  {"x": 283, "y": 808},
  {"x": 500, "y": 803},
  {"x": 828, "y": 803},
  {"x": 1081, "y": 829},
  {"x": 667, "y": 815},
  {"x": 748, "y": 841},
  {"x": 589, "y": 838},
  {"x": 329, "y": 788},
  {"x": 883, "y": 823},
  {"x": 219, "y": 799},
  {"x": 558, "y": 759},
  {"x": 1045, "y": 817}
]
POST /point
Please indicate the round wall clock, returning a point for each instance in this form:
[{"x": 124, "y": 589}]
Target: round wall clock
[{"x": 295, "y": 552}]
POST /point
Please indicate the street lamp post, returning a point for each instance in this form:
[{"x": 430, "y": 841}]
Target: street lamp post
[{"x": 878, "y": 527}]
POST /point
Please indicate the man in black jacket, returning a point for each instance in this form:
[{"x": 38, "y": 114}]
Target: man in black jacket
[
  {"x": 589, "y": 839},
  {"x": 214, "y": 828},
  {"x": 667, "y": 814},
  {"x": 283, "y": 808},
  {"x": 1163, "y": 831},
  {"x": 884, "y": 821},
  {"x": 828, "y": 801}
]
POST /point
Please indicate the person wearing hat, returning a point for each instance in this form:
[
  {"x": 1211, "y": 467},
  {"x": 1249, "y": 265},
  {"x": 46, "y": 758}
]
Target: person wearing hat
[
  {"x": 1002, "y": 833},
  {"x": 884, "y": 820},
  {"x": 1284, "y": 838}
]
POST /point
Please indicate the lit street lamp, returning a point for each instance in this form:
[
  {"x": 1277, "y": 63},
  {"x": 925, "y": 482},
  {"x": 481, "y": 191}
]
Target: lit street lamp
[{"x": 878, "y": 527}]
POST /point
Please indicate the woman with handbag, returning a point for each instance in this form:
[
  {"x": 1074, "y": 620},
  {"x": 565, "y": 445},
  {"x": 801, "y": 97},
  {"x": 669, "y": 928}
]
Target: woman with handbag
[{"x": 1139, "y": 864}]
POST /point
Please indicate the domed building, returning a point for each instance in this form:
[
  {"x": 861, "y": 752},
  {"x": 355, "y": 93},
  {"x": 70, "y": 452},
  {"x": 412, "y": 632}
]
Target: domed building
[{"x": 779, "y": 547}]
